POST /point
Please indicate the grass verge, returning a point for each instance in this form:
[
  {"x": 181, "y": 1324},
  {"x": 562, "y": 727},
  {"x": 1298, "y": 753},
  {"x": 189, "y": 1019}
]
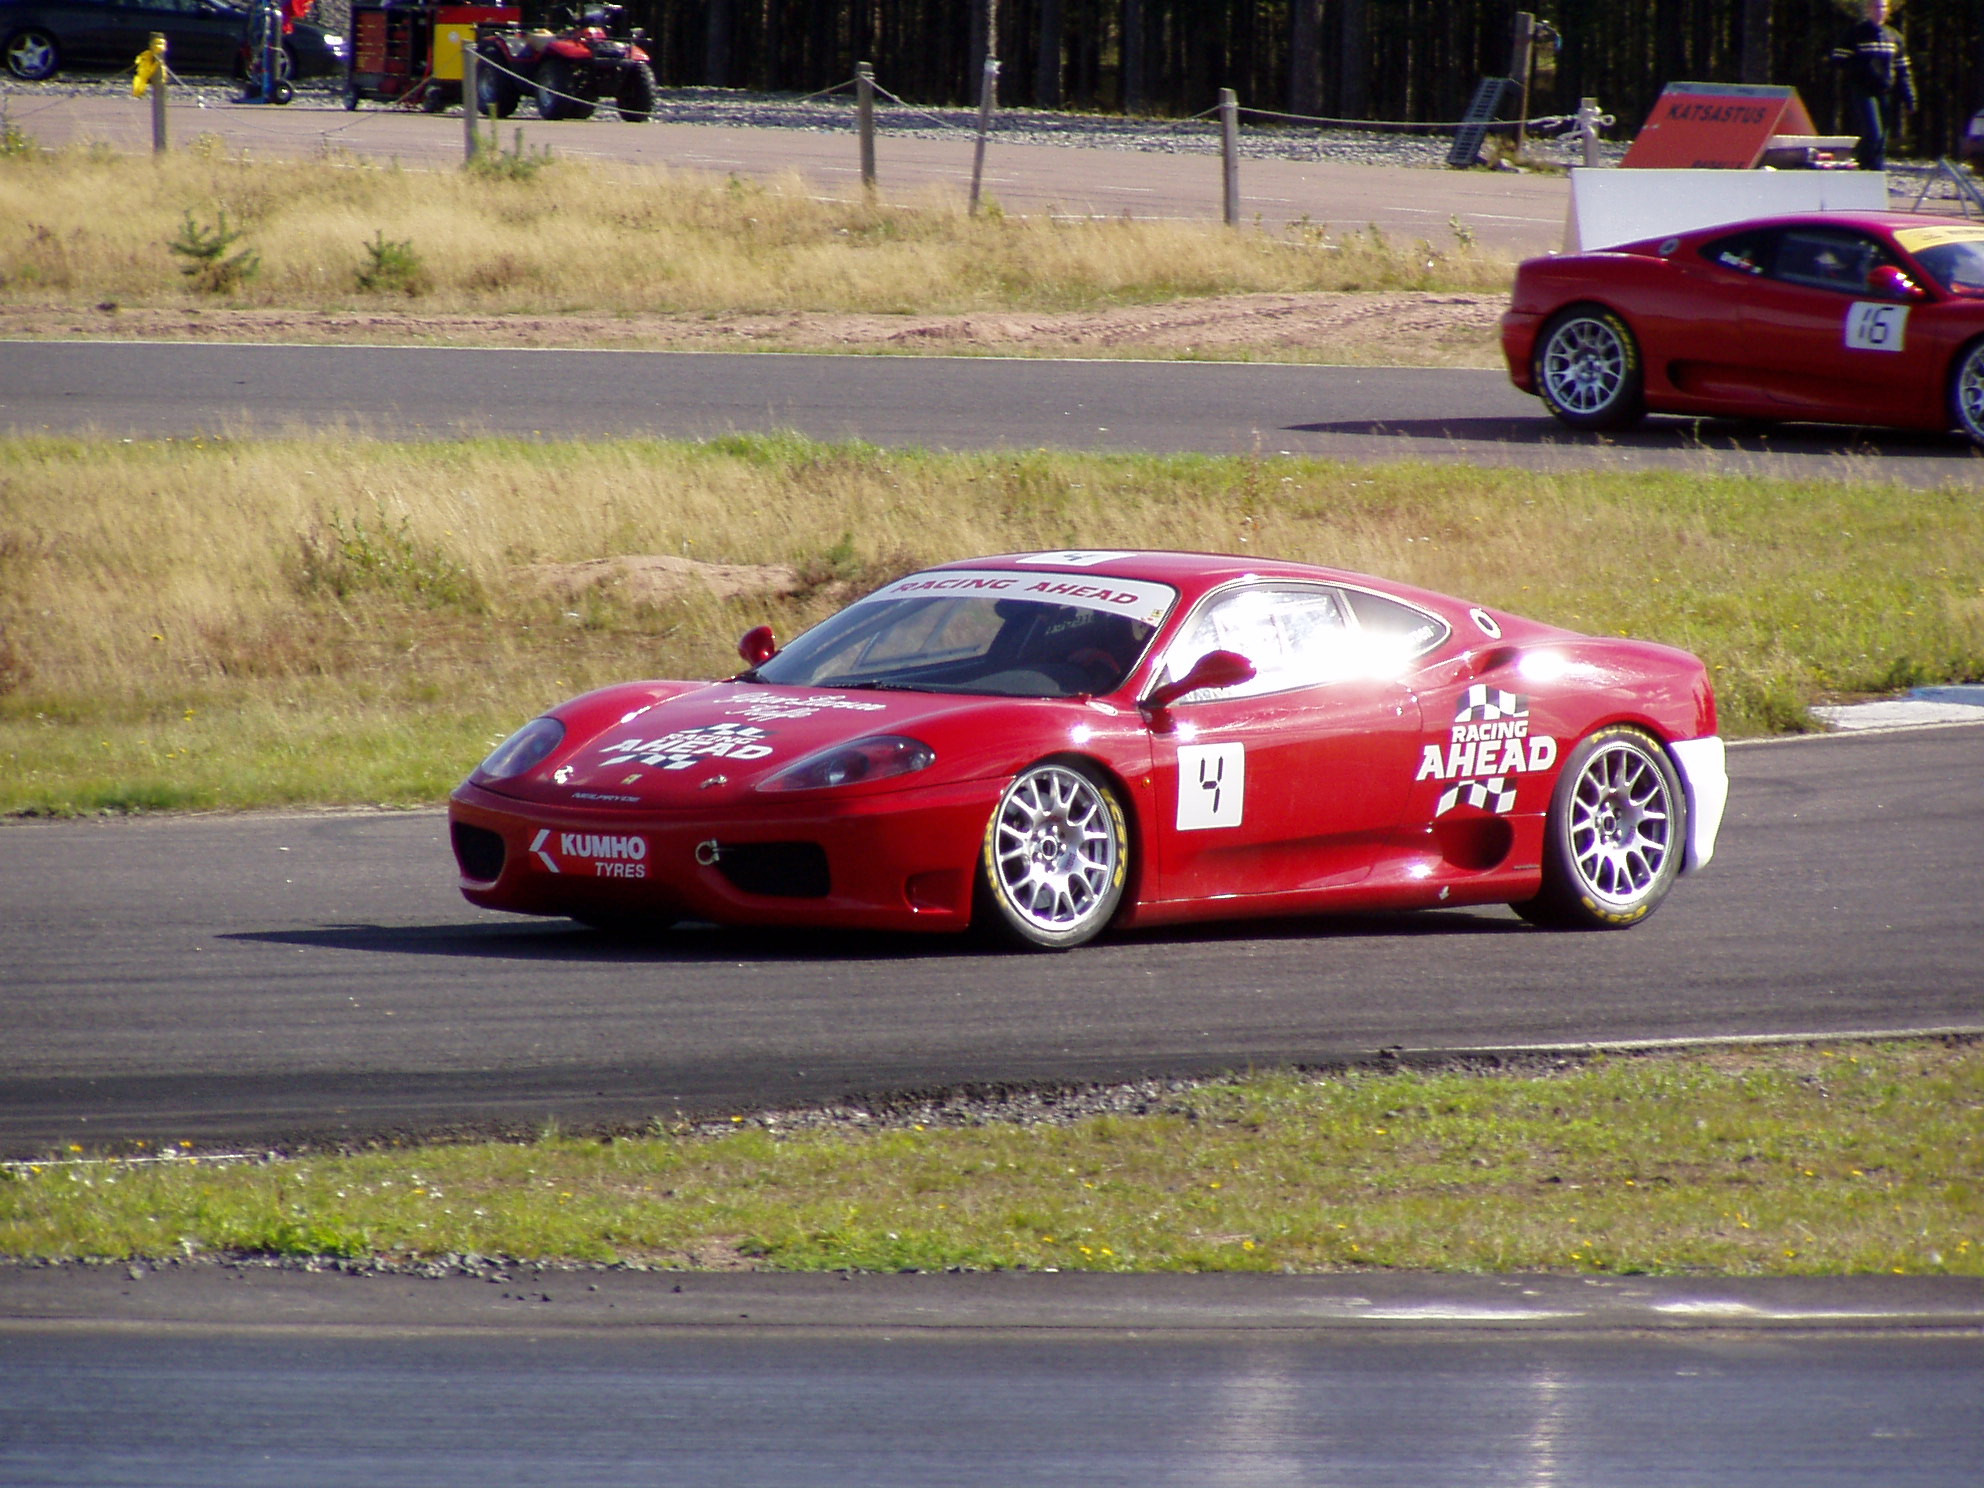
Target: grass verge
[
  {"x": 1763, "y": 1161},
  {"x": 201, "y": 228},
  {"x": 203, "y": 623}
]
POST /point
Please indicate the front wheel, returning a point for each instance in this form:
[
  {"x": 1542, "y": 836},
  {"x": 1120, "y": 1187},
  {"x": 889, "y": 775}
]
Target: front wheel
[
  {"x": 1613, "y": 842},
  {"x": 635, "y": 99},
  {"x": 1587, "y": 370},
  {"x": 1056, "y": 856},
  {"x": 496, "y": 90},
  {"x": 1967, "y": 393}
]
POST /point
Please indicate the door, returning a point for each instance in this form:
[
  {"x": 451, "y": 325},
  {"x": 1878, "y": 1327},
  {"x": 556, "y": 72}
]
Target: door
[
  {"x": 1293, "y": 780},
  {"x": 1826, "y": 343}
]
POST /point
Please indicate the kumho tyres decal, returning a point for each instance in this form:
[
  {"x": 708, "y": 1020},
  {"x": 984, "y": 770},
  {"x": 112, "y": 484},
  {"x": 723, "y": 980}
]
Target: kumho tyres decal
[
  {"x": 595, "y": 854},
  {"x": 1488, "y": 743},
  {"x": 685, "y": 747}
]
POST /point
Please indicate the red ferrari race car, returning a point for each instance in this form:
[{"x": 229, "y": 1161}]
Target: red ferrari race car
[
  {"x": 1043, "y": 745},
  {"x": 1860, "y": 318}
]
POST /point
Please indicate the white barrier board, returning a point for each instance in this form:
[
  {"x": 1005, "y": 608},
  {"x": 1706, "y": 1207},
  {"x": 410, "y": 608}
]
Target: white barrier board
[{"x": 1614, "y": 206}]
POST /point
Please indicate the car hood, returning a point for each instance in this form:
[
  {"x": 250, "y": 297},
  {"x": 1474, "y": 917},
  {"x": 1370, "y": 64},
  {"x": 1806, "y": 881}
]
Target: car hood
[{"x": 661, "y": 746}]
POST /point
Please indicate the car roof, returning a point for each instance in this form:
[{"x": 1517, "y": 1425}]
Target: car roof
[
  {"x": 1193, "y": 574},
  {"x": 1876, "y": 222}
]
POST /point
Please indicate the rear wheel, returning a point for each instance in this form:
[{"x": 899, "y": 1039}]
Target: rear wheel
[
  {"x": 32, "y": 55},
  {"x": 635, "y": 99},
  {"x": 1967, "y": 393},
  {"x": 1587, "y": 369},
  {"x": 558, "y": 91},
  {"x": 1613, "y": 842},
  {"x": 1056, "y": 856}
]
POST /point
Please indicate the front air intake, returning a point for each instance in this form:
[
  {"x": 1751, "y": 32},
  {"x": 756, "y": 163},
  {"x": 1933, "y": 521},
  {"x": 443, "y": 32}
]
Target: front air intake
[
  {"x": 478, "y": 850},
  {"x": 778, "y": 870}
]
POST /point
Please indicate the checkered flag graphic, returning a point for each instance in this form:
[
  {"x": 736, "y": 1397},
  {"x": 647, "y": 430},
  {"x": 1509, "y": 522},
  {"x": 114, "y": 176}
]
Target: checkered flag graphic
[
  {"x": 1485, "y": 704},
  {"x": 1493, "y": 794}
]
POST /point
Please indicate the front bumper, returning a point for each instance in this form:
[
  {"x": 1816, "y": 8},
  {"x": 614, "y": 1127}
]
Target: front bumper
[
  {"x": 1705, "y": 777},
  {"x": 902, "y": 860}
]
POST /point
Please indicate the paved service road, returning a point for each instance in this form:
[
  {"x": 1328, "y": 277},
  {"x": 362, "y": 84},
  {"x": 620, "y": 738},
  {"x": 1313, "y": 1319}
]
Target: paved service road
[
  {"x": 271, "y": 977},
  {"x": 158, "y": 389},
  {"x": 1520, "y": 215}
]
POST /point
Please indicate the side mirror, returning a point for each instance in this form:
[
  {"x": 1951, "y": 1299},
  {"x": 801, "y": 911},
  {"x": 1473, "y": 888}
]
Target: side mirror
[
  {"x": 758, "y": 646},
  {"x": 1215, "y": 669},
  {"x": 1891, "y": 283}
]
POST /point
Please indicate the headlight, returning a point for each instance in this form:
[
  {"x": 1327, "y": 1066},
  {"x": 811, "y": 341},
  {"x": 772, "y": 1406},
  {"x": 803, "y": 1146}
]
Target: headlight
[
  {"x": 875, "y": 758},
  {"x": 526, "y": 747}
]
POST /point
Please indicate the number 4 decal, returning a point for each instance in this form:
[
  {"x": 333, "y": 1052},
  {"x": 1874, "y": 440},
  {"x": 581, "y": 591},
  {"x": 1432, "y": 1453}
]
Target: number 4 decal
[
  {"x": 1212, "y": 786},
  {"x": 1873, "y": 326}
]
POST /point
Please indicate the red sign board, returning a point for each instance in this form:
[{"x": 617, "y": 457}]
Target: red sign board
[{"x": 1716, "y": 126}]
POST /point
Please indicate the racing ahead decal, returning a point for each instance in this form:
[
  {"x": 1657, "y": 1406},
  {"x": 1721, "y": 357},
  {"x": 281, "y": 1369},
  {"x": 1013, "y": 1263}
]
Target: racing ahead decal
[
  {"x": 1488, "y": 743},
  {"x": 1212, "y": 786},
  {"x": 595, "y": 854},
  {"x": 684, "y": 747}
]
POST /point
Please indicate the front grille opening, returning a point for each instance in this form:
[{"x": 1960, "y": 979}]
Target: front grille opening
[
  {"x": 478, "y": 850},
  {"x": 779, "y": 870}
]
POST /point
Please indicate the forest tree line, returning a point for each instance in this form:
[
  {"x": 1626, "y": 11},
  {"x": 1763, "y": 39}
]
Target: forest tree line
[{"x": 1402, "y": 60}]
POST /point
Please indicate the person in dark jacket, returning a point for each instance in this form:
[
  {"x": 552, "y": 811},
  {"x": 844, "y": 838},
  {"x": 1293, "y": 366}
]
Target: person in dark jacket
[{"x": 1879, "y": 85}]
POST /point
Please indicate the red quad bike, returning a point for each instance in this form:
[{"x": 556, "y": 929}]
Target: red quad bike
[{"x": 571, "y": 70}]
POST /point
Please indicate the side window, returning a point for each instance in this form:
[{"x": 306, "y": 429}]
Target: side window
[
  {"x": 1296, "y": 635},
  {"x": 1745, "y": 253},
  {"x": 1826, "y": 258},
  {"x": 1392, "y": 634}
]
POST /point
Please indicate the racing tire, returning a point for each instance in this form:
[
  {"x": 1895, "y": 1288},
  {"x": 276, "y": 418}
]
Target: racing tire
[
  {"x": 1967, "y": 393},
  {"x": 32, "y": 55},
  {"x": 1055, "y": 859},
  {"x": 1614, "y": 839},
  {"x": 635, "y": 99},
  {"x": 557, "y": 91},
  {"x": 1588, "y": 371},
  {"x": 496, "y": 93}
]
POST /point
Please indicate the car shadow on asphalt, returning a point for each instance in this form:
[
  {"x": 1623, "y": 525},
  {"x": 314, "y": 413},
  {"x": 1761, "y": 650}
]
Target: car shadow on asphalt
[
  {"x": 565, "y": 941},
  {"x": 1666, "y": 434}
]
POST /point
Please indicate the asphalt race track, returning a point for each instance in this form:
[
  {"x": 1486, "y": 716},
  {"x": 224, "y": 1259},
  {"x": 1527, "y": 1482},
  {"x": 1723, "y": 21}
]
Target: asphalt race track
[
  {"x": 132, "y": 389},
  {"x": 265, "y": 979}
]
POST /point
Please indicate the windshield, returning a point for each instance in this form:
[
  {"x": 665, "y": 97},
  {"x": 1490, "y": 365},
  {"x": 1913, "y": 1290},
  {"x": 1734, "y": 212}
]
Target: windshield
[
  {"x": 1958, "y": 267},
  {"x": 994, "y": 633},
  {"x": 1950, "y": 253}
]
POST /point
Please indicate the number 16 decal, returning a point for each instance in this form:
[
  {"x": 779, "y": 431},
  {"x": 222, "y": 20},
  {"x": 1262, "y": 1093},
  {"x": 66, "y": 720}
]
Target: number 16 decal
[
  {"x": 1873, "y": 326},
  {"x": 1212, "y": 785}
]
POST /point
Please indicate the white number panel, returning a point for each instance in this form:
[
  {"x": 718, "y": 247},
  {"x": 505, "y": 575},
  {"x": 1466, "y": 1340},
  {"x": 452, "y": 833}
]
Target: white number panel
[
  {"x": 1873, "y": 326},
  {"x": 1212, "y": 786}
]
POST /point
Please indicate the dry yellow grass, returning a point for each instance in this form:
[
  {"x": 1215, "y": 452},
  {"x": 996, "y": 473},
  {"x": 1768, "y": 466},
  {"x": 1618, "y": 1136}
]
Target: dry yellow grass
[{"x": 82, "y": 227}]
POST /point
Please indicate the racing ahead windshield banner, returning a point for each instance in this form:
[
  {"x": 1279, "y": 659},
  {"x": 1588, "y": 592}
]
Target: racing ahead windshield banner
[{"x": 1137, "y": 598}]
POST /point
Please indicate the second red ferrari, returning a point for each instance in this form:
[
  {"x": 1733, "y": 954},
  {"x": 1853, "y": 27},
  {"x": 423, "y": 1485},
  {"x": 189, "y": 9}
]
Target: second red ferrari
[{"x": 1858, "y": 318}]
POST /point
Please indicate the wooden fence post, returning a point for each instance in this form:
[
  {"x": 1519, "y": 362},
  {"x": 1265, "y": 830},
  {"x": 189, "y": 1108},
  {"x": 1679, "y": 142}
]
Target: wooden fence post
[
  {"x": 1229, "y": 149},
  {"x": 988, "y": 97},
  {"x": 471, "y": 98},
  {"x": 864, "y": 112}
]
